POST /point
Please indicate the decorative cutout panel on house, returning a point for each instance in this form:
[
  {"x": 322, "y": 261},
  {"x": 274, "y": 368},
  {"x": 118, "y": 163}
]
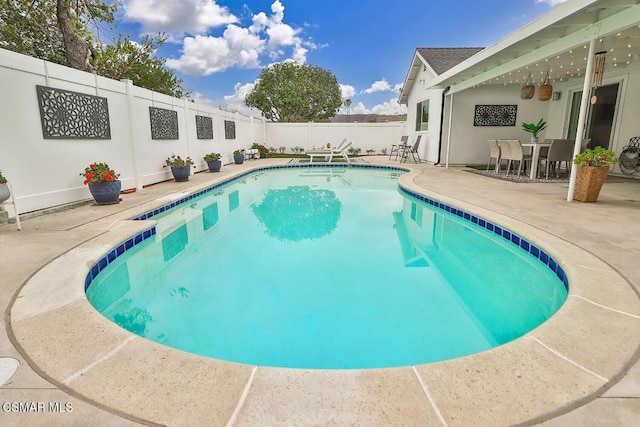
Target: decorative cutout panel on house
[
  {"x": 495, "y": 115},
  {"x": 229, "y": 129},
  {"x": 71, "y": 115},
  {"x": 204, "y": 127},
  {"x": 164, "y": 123}
]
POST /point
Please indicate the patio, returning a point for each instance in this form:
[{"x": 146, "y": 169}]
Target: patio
[{"x": 111, "y": 377}]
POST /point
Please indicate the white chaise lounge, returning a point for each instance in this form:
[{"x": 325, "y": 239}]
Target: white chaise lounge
[{"x": 329, "y": 153}]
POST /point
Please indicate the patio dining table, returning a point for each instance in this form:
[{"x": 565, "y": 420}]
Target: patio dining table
[{"x": 535, "y": 154}]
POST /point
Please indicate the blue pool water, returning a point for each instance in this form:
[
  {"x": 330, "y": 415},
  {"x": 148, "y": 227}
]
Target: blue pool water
[{"x": 326, "y": 268}]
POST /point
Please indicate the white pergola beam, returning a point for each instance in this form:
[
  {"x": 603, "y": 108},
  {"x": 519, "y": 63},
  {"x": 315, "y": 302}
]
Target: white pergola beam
[{"x": 612, "y": 24}]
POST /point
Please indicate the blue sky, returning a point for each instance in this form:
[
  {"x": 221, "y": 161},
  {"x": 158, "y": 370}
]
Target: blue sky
[{"x": 219, "y": 47}]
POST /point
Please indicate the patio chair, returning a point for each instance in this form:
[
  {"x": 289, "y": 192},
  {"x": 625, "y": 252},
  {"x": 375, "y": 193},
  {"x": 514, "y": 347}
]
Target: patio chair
[
  {"x": 561, "y": 150},
  {"x": 328, "y": 154},
  {"x": 413, "y": 150},
  {"x": 494, "y": 153},
  {"x": 513, "y": 153},
  {"x": 397, "y": 148}
]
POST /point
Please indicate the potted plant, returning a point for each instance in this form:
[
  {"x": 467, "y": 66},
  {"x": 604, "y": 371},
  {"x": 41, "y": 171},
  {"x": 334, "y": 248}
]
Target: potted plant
[
  {"x": 213, "y": 161},
  {"x": 4, "y": 188},
  {"x": 103, "y": 183},
  {"x": 593, "y": 166},
  {"x": 180, "y": 168},
  {"x": 261, "y": 149},
  {"x": 238, "y": 156},
  {"x": 534, "y": 128}
]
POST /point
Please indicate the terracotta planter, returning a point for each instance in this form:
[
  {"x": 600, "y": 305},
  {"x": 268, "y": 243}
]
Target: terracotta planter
[
  {"x": 106, "y": 193},
  {"x": 589, "y": 181}
]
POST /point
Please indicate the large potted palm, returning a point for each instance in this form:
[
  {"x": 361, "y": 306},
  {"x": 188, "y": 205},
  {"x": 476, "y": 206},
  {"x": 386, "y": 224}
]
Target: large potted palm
[{"x": 593, "y": 166}]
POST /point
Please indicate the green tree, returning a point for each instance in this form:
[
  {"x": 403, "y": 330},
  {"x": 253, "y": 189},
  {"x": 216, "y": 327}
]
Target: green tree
[
  {"x": 136, "y": 62},
  {"x": 58, "y": 31},
  {"x": 31, "y": 28},
  {"x": 290, "y": 92}
]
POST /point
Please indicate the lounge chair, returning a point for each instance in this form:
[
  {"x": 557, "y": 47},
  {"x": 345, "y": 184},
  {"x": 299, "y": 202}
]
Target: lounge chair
[
  {"x": 329, "y": 153},
  {"x": 398, "y": 148},
  {"x": 413, "y": 150}
]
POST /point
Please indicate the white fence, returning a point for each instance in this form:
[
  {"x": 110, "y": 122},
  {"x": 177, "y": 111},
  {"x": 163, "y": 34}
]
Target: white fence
[{"x": 45, "y": 172}]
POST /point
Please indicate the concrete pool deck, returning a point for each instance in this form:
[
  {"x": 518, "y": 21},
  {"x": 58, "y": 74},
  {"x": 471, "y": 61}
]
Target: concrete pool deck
[{"x": 579, "y": 368}]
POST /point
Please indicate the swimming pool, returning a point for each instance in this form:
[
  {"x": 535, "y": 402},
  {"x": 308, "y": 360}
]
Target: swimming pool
[{"x": 350, "y": 272}]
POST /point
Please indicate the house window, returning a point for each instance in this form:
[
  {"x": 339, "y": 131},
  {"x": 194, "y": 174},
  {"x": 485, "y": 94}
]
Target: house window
[{"x": 422, "y": 115}]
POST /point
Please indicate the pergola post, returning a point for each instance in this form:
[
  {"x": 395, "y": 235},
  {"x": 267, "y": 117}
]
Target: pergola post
[{"x": 584, "y": 103}]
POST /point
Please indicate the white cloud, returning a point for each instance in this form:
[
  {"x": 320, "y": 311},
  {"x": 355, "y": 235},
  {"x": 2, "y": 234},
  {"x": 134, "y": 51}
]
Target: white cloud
[
  {"x": 175, "y": 18},
  {"x": 551, "y": 2},
  {"x": 389, "y": 108},
  {"x": 383, "y": 86},
  {"x": 359, "y": 108},
  {"x": 242, "y": 47},
  {"x": 235, "y": 101},
  {"x": 201, "y": 99},
  {"x": 204, "y": 55},
  {"x": 347, "y": 91}
]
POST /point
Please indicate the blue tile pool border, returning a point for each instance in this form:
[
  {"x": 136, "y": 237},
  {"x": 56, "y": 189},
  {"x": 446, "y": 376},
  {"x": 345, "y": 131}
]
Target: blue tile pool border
[
  {"x": 116, "y": 252},
  {"x": 507, "y": 235}
]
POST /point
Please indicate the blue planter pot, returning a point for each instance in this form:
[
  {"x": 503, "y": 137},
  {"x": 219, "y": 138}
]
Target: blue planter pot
[
  {"x": 215, "y": 165},
  {"x": 181, "y": 173},
  {"x": 238, "y": 158},
  {"x": 106, "y": 193}
]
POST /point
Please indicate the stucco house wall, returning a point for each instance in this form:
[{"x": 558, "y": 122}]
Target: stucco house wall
[
  {"x": 429, "y": 142},
  {"x": 468, "y": 143}
]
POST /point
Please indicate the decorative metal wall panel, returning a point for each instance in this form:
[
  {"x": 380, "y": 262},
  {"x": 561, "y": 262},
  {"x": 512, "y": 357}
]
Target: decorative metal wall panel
[
  {"x": 164, "y": 123},
  {"x": 71, "y": 115},
  {"x": 204, "y": 127},
  {"x": 495, "y": 115},
  {"x": 229, "y": 129}
]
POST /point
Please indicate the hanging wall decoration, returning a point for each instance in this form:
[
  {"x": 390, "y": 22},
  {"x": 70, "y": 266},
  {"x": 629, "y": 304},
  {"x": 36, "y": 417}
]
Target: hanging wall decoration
[
  {"x": 164, "y": 123},
  {"x": 229, "y": 129},
  {"x": 528, "y": 89},
  {"x": 71, "y": 115},
  {"x": 598, "y": 72},
  {"x": 598, "y": 68},
  {"x": 204, "y": 127},
  {"x": 546, "y": 89},
  {"x": 495, "y": 115}
]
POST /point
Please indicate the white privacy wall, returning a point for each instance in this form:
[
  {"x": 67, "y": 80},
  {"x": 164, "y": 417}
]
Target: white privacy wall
[
  {"x": 366, "y": 136},
  {"x": 46, "y": 172}
]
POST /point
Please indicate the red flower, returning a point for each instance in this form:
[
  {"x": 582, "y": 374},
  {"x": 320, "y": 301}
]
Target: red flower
[
  {"x": 88, "y": 175},
  {"x": 92, "y": 166},
  {"x": 86, "y": 181},
  {"x": 107, "y": 176}
]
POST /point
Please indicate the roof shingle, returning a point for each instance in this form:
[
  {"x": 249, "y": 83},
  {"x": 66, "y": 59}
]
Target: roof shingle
[{"x": 442, "y": 59}]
